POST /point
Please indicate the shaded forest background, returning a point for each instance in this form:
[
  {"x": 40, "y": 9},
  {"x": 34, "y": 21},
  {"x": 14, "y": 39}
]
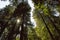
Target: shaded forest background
[{"x": 15, "y": 22}]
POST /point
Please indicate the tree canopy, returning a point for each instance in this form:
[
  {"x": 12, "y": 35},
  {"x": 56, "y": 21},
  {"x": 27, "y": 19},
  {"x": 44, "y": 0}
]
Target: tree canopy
[{"x": 15, "y": 20}]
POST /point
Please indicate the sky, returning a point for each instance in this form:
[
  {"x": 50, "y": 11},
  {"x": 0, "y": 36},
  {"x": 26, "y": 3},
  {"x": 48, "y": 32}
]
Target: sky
[
  {"x": 56, "y": 13},
  {"x": 32, "y": 8},
  {"x": 4, "y": 3}
]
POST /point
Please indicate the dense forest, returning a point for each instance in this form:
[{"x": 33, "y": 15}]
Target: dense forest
[{"x": 16, "y": 23}]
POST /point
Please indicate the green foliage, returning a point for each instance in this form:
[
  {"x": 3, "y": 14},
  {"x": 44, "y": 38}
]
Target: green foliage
[
  {"x": 43, "y": 18},
  {"x": 17, "y": 38},
  {"x": 50, "y": 23}
]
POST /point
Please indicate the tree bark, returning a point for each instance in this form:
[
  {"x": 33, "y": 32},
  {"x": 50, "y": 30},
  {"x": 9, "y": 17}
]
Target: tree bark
[{"x": 46, "y": 26}]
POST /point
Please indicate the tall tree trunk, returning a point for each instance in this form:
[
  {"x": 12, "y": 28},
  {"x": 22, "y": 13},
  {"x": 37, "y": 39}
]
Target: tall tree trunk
[
  {"x": 56, "y": 29},
  {"x": 46, "y": 26},
  {"x": 3, "y": 25},
  {"x": 54, "y": 25},
  {"x": 23, "y": 33},
  {"x": 11, "y": 33},
  {"x": 52, "y": 20}
]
